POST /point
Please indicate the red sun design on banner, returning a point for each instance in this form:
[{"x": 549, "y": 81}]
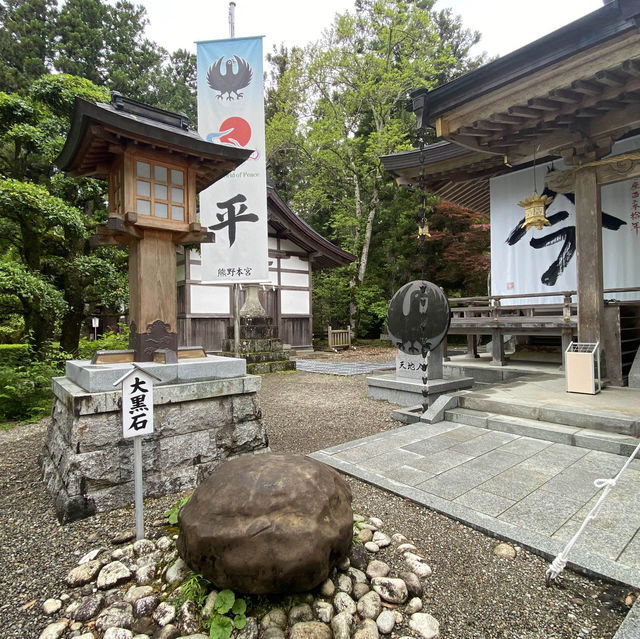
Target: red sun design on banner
[{"x": 236, "y": 131}]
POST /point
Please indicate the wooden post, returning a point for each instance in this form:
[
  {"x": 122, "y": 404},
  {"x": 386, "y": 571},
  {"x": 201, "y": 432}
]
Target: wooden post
[
  {"x": 589, "y": 255},
  {"x": 497, "y": 348},
  {"x": 153, "y": 306}
]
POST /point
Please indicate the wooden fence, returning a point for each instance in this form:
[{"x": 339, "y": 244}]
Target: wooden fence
[{"x": 339, "y": 338}]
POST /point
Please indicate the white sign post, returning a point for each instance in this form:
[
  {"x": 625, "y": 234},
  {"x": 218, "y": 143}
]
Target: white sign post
[{"x": 137, "y": 420}]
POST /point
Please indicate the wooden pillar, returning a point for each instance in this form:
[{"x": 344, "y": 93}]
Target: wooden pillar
[
  {"x": 497, "y": 348},
  {"x": 152, "y": 294},
  {"x": 589, "y": 255}
]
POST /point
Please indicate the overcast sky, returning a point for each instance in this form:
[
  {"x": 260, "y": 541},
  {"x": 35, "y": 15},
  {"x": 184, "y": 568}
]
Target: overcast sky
[{"x": 505, "y": 24}]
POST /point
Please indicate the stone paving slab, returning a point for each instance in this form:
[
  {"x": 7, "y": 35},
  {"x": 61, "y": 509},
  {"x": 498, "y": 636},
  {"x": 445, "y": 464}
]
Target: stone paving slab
[
  {"x": 341, "y": 368},
  {"x": 533, "y": 492}
]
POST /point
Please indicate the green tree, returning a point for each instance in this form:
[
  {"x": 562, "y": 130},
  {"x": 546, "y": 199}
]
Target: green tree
[
  {"x": 46, "y": 219},
  {"x": 106, "y": 44},
  {"x": 80, "y": 27},
  {"x": 340, "y": 105},
  {"x": 26, "y": 38},
  {"x": 175, "y": 85}
]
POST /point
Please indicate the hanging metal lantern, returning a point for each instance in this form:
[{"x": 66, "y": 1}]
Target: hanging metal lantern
[
  {"x": 423, "y": 229},
  {"x": 534, "y": 207}
]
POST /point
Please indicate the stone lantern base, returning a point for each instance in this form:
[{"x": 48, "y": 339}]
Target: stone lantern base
[
  {"x": 259, "y": 346},
  {"x": 205, "y": 411}
]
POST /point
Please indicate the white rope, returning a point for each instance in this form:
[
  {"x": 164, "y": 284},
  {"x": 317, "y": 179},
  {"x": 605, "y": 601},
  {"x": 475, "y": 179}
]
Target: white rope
[{"x": 560, "y": 562}]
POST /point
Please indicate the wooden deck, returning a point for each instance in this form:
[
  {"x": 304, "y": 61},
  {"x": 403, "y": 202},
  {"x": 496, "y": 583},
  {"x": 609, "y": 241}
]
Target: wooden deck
[{"x": 489, "y": 316}]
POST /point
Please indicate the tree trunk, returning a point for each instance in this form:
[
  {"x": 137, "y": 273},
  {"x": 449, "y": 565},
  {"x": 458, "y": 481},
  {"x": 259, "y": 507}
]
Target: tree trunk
[
  {"x": 353, "y": 283},
  {"x": 364, "y": 255},
  {"x": 38, "y": 331}
]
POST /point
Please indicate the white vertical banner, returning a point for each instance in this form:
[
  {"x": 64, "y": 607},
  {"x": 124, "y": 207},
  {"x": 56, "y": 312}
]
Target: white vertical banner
[
  {"x": 231, "y": 112},
  {"x": 544, "y": 261}
]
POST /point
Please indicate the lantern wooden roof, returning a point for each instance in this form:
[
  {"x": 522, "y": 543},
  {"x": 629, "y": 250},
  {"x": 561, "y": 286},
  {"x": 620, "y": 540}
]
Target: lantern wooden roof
[{"x": 101, "y": 132}]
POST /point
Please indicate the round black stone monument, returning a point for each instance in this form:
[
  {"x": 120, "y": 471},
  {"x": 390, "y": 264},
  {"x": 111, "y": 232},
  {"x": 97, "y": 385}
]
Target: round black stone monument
[{"x": 418, "y": 317}]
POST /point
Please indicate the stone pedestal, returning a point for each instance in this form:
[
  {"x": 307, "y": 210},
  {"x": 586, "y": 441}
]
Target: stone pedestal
[
  {"x": 205, "y": 411},
  {"x": 259, "y": 345},
  {"x": 407, "y": 392},
  {"x": 405, "y": 386}
]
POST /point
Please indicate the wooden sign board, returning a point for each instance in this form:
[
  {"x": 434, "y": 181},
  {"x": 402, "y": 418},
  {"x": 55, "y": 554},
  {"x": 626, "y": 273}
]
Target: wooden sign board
[{"x": 137, "y": 404}]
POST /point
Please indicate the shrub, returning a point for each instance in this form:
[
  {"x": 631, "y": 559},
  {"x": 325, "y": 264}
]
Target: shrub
[
  {"x": 111, "y": 341},
  {"x": 14, "y": 354},
  {"x": 25, "y": 388}
]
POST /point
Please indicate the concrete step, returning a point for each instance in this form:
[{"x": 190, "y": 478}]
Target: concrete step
[
  {"x": 555, "y": 414},
  {"x": 583, "y": 437}
]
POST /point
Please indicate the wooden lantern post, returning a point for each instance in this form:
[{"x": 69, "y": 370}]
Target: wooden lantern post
[{"x": 155, "y": 168}]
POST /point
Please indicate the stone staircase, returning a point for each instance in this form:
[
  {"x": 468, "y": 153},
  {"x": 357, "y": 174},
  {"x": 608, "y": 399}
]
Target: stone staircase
[
  {"x": 260, "y": 346},
  {"x": 606, "y": 432}
]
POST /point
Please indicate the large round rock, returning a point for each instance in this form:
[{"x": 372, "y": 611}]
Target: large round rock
[{"x": 267, "y": 523}]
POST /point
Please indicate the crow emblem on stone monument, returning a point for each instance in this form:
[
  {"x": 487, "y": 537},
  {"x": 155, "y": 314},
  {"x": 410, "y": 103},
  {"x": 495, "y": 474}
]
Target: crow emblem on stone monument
[{"x": 230, "y": 81}]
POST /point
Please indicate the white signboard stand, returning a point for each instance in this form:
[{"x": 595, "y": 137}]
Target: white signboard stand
[{"x": 137, "y": 420}]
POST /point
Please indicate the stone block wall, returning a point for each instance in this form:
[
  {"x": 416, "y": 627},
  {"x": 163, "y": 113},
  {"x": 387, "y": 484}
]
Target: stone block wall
[{"x": 88, "y": 464}]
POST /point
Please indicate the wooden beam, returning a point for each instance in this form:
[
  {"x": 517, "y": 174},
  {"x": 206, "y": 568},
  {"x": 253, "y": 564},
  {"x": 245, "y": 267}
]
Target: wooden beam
[
  {"x": 609, "y": 105},
  {"x": 632, "y": 67},
  {"x": 629, "y": 97},
  {"x": 503, "y": 118},
  {"x": 524, "y": 112},
  {"x": 588, "y": 88},
  {"x": 543, "y": 104},
  {"x": 588, "y": 112},
  {"x": 473, "y": 132},
  {"x": 117, "y": 225},
  {"x": 489, "y": 125},
  {"x": 565, "y": 95},
  {"x": 608, "y": 171},
  {"x": 613, "y": 172},
  {"x": 610, "y": 79}
]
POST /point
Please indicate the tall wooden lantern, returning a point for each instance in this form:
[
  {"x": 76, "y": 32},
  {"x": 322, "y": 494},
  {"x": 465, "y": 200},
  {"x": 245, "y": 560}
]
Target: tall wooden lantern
[{"x": 155, "y": 167}]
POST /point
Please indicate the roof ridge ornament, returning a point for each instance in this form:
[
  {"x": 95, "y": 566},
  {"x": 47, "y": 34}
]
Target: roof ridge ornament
[{"x": 134, "y": 107}]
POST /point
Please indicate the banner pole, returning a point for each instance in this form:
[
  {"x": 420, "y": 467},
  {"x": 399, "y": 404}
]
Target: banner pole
[
  {"x": 236, "y": 319},
  {"x": 232, "y": 19}
]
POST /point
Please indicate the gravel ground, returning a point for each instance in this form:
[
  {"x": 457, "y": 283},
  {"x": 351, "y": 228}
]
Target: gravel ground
[{"x": 472, "y": 592}]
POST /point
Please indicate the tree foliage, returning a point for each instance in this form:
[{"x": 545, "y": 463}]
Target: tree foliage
[
  {"x": 336, "y": 107},
  {"x": 46, "y": 219},
  {"x": 333, "y": 109},
  {"x": 50, "y": 275}
]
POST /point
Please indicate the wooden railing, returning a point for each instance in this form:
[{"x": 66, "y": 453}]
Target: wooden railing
[
  {"x": 491, "y": 305},
  {"x": 339, "y": 338},
  {"x": 475, "y": 316}
]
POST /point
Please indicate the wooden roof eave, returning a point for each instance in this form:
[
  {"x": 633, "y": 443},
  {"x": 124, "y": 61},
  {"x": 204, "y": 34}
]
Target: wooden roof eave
[
  {"x": 96, "y": 130},
  {"x": 325, "y": 254},
  {"x": 442, "y": 162},
  {"x": 611, "y": 21},
  {"x": 545, "y": 97}
]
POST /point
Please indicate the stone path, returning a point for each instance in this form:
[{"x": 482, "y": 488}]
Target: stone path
[
  {"x": 531, "y": 491},
  {"x": 341, "y": 368}
]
